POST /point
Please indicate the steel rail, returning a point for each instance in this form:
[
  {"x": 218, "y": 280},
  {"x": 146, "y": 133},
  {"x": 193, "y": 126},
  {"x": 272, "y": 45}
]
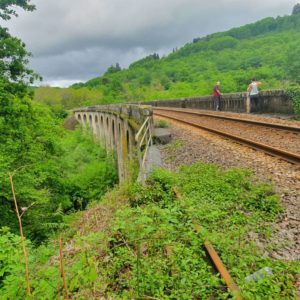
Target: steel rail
[
  {"x": 232, "y": 286},
  {"x": 288, "y": 156},
  {"x": 247, "y": 121}
]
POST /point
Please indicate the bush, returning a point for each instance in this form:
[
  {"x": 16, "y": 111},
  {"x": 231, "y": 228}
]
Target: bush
[
  {"x": 294, "y": 95},
  {"x": 161, "y": 124},
  {"x": 11, "y": 263}
]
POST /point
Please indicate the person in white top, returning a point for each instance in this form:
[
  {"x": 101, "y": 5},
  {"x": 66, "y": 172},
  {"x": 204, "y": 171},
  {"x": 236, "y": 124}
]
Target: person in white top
[{"x": 254, "y": 94}]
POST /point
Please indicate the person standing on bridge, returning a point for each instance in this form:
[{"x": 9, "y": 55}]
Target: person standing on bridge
[
  {"x": 217, "y": 96},
  {"x": 254, "y": 94}
]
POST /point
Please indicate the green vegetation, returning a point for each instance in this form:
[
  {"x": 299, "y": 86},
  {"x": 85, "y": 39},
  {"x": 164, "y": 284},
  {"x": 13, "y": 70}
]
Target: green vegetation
[
  {"x": 14, "y": 56},
  {"x": 140, "y": 242},
  {"x": 54, "y": 171},
  {"x": 294, "y": 95},
  {"x": 161, "y": 124},
  {"x": 66, "y": 98},
  {"x": 267, "y": 50}
]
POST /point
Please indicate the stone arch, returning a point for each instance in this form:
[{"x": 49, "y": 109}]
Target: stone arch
[{"x": 79, "y": 117}]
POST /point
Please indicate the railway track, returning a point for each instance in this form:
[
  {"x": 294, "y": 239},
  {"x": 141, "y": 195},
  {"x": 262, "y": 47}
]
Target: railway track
[{"x": 274, "y": 139}]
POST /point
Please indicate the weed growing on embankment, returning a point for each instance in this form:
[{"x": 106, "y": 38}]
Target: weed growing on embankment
[
  {"x": 294, "y": 94},
  {"x": 139, "y": 243}
]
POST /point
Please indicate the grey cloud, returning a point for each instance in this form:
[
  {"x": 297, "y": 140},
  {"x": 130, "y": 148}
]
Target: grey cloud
[
  {"x": 85, "y": 64},
  {"x": 71, "y": 38}
]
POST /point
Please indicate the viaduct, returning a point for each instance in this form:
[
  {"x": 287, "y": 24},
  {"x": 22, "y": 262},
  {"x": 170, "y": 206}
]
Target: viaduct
[{"x": 128, "y": 129}]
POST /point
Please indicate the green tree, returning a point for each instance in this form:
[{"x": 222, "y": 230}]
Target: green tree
[
  {"x": 296, "y": 9},
  {"x": 28, "y": 131},
  {"x": 7, "y": 7},
  {"x": 294, "y": 63},
  {"x": 13, "y": 55},
  {"x": 113, "y": 69},
  {"x": 27, "y": 143}
]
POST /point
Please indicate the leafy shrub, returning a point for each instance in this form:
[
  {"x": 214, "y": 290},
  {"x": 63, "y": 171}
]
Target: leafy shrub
[
  {"x": 294, "y": 95},
  {"x": 161, "y": 124},
  {"x": 262, "y": 198},
  {"x": 158, "y": 189},
  {"x": 12, "y": 274}
]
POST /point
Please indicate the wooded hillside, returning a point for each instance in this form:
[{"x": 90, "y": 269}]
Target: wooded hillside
[{"x": 268, "y": 50}]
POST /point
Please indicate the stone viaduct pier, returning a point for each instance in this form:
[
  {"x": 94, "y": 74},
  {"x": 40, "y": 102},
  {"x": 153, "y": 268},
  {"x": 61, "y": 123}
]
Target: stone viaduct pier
[{"x": 126, "y": 129}]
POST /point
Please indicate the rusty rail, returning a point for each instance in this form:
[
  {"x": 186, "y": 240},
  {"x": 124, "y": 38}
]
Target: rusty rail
[
  {"x": 232, "y": 286},
  {"x": 288, "y": 156}
]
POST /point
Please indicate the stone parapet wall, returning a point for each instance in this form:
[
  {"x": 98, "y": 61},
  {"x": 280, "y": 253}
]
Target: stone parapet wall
[{"x": 275, "y": 101}]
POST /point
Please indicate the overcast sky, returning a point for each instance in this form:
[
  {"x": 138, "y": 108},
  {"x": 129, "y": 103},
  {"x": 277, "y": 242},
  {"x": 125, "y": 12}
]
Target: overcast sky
[{"x": 76, "y": 40}]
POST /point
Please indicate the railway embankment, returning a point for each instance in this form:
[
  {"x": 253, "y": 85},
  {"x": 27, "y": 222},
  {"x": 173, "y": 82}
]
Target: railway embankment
[{"x": 192, "y": 144}]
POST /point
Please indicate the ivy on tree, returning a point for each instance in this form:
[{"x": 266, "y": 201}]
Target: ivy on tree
[{"x": 296, "y": 9}]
